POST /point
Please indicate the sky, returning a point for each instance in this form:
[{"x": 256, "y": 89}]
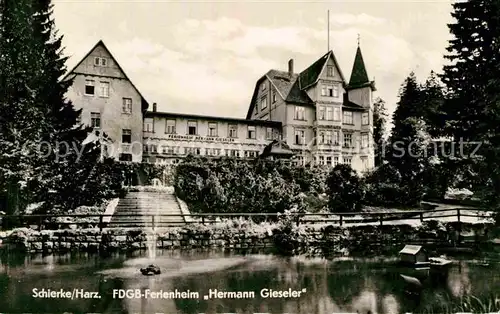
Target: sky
[{"x": 204, "y": 57}]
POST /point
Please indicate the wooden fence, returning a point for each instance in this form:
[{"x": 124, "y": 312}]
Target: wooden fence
[{"x": 63, "y": 221}]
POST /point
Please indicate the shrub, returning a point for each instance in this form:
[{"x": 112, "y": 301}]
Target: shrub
[
  {"x": 345, "y": 189},
  {"x": 229, "y": 185}
]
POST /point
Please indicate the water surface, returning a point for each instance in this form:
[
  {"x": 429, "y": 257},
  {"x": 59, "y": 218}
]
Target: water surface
[{"x": 327, "y": 286}]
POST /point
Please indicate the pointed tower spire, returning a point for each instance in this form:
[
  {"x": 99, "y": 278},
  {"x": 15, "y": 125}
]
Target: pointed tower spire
[{"x": 358, "y": 75}]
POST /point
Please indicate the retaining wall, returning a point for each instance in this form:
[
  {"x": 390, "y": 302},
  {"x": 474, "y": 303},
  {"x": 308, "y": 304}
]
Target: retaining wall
[{"x": 365, "y": 239}]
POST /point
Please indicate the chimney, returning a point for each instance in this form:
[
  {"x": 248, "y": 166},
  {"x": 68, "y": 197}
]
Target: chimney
[
  {"x": 290, "y": 67},
  {"x": 154, "y": 107}
]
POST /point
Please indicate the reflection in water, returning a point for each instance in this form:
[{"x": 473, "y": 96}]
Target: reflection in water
[
  {"x": 458, "y": 280},
  {"x": 363, "y": 286}
]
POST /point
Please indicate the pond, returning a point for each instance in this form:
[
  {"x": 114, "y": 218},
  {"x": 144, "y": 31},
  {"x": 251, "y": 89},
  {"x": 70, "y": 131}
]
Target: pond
[{"x": 204, "y": 282}]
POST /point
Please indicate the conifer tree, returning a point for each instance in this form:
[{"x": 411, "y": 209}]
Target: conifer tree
[
  {"x": 379, "y": 125},
  {"x": 472, "y": 107}
]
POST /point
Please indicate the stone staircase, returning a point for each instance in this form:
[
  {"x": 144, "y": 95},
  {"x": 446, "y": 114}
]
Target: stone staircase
[{"x": 137, "y": 209}]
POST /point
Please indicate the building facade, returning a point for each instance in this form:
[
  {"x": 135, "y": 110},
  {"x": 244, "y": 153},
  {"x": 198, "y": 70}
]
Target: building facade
[
  {"x": 170, "y": 136},
  {"x": 318, "y": 115},
  {"x": 326, "y": 120}
]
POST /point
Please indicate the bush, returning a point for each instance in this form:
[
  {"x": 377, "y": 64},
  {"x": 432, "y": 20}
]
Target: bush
[
  {"x": 229, "y": 185},
  {"x": 345, "y": 189}
]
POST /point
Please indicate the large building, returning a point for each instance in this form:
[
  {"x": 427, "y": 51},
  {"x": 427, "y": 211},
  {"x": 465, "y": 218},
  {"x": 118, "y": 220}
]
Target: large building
[
  {"x": 325, "y": 120},
  {"x": 316, "y": 113}
]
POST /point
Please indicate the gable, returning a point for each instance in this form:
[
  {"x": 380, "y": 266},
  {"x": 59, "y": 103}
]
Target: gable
[
  {"x": 313, "y": 73},
  {"x": 330, "y": 64},
  {"x": 88, "y": 66}
]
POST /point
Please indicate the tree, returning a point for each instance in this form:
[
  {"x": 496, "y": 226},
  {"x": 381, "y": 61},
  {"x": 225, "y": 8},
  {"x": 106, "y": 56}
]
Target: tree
[
  {"x": 410, "y": 139},
  {"x": 379, "y": 124},
  {"x": 345, "y": 189},
  {"x": 471, "y": 110},
  {"x": 41, "y": 150},
  {"x": 21, "y": 121},
  {"x": 432, "y": 103}
]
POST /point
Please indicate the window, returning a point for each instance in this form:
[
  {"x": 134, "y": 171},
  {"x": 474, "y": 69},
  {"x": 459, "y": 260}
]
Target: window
[
  {"x": 251, "y": 132},
  {"x": 347, "y": 160},
  {"x": 192, "y": 127},
  {"x": 233, "y": 131},
  {"x": 348, "y": 140},
  {"x": 299, "y": 113},
  {"x": 329, "y": 71},
  {"x": 330, "y": 90},
  {"x": 192, "y": 151},
  {"x": 329, "y": 113},
  {"x": 335, "y": 160},
  {"x": 89, "y": 87},
  {"x": 263, "y": 103},
  {"x": 322, "y": 137},
  {"x": 232, "y": 152},
  {"x": 98, "y": 61},
  {"x": 127, "y": 105},
  {"x": 212, "y": 129},
  {"x": 274, "y": 97},
  {"x": 300, "y": 160},
  {"x": 321, "y": 160},
  {"x": 299, "y": 137},
  {"x": 348, "y": 117},
  {"x": 250, "y": 154},
  {"x": 364, "y": 118},
  {"x": 321, "y": 113},
  {"x": 127, "y": 136},
  {"x": 104, "y": 89},
  {"x": 328, "y": 137},
  {"x": 95, "y": 119},
  {"x": 125, "y": 157},
  {"x": 336, "y": 114},
  {"x": 328, "y": 160},
  {"x": 335, "y": 91},
  {"x": 264, "y": 86},
  {"x": 211, "y": 151},
  {"x": 148, "y": 125},
  {"x": 170, "y": 126},
  {"x": 364, "y": 140},
  {"x": 336, "y": 137},
  {"x": 364, "y": 163},
  {"x": 269, "y": 133}
]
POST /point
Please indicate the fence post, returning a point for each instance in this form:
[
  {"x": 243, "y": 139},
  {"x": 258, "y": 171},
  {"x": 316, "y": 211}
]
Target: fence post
[
  {"x": 421, "y": 217},
  {"x": 40, "y": 223},
  {"x": 381, "y": 220},
  {"x": 101, "y": 222},
  {"x": 340, "y": 221},
  {"x": 202, "y": 220},
  {"x": 459, "y": 226},
  {"x": 153, "y": 222}
]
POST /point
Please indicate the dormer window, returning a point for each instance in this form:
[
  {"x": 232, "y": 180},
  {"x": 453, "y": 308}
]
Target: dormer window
[
  {"x": 100, "y": 62},
  {"x": 264, "y": 86}
]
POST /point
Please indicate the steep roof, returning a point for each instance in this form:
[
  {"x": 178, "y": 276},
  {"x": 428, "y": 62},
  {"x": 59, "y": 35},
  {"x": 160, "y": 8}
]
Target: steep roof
[
  {"x": 145, "y": 103},
  {"x": 286, "y": 85},
  {"x": 310, "y": 76},
  {"x": 359, "y": 76},
  {"x": 347, "y": 104}
]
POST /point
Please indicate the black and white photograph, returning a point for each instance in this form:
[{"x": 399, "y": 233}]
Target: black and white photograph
[{"x": 249, "y": 156}]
